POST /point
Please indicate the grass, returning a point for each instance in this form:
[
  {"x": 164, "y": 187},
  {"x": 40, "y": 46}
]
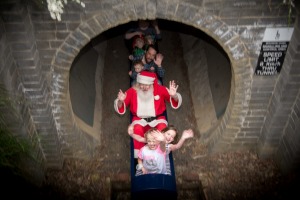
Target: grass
[{"x": 12, "y": 148}]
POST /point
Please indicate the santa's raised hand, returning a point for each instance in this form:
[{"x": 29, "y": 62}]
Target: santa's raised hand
[
  {"x": 121, "y": 95},
  {"x": 173, "y": 88}
]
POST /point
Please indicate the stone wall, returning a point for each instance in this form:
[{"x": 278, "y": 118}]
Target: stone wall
[
  {"x": 282, "y": 125},
  {"x": 37, "y": 54},
  {"x": 196, "y": 61}
]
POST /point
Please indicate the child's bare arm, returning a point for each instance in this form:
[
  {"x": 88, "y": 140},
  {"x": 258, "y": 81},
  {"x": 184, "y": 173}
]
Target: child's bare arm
[
  {"x": 140, "y": 164},
  {"x": 185, "y": 135},
  {"x": 140, "y": 161}
]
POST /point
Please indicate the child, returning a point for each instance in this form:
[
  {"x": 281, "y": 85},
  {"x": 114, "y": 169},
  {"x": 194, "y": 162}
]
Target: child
[
  {"x": 138, "y": 51},
  {"x": 138, "y": 66},
  {"x": 152, "y": 157},
  {"x": 170, "y": 135},
  {"x": 149, "y": 40}
]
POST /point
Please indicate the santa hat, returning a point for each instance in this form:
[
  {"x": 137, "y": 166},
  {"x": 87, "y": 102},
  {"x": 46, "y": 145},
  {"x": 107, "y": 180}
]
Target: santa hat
[{"x": 146, "y": 77}]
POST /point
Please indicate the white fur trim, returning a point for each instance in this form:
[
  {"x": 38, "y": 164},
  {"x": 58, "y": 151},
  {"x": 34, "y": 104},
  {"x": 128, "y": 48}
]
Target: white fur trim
[
  {"x": 179, "y": 97},
  {"x": 145, "y": 79},
  {"x": 154, "y": 123},
  {"x": 117, "y": 108}
]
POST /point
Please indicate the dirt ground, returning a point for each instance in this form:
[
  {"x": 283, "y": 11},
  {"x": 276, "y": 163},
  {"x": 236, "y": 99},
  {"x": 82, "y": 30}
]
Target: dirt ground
[
  {"x": 234, "y": 175},
  {"x": 239, "y": 176}
]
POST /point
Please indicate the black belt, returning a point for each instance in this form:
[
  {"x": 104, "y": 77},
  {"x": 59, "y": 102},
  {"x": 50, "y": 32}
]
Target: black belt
[{"x": 150, "y": 119}]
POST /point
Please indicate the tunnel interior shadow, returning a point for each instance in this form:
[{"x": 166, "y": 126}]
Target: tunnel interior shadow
[{"x": 83, "y": 100}]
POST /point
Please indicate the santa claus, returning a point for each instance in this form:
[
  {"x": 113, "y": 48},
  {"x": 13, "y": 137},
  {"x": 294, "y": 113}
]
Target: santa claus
[{"x": 147, "y": 104}]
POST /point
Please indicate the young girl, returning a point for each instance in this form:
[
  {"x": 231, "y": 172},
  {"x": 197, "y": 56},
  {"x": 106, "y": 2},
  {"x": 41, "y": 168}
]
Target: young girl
[
  {"x": 152, "y": 157},
  {"x": 170, "y": 134},
  {"x": 170, "y": 137},
  {"x": 138, "y": 51}
]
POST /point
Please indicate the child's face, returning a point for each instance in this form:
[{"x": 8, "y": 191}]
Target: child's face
[
  {"x": 149, "y": 40},
  {"x": 139, "y": 43},
  {"x": 152, "y": 142},
  {"x": 138, "y": 68},
  {"x": 143, "y": 24},
  {"x": 170, "y": 135}
]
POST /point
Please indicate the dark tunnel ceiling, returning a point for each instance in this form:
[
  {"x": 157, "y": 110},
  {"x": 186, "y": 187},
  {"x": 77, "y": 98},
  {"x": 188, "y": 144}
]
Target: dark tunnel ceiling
[{"x": 164, "y": 25}]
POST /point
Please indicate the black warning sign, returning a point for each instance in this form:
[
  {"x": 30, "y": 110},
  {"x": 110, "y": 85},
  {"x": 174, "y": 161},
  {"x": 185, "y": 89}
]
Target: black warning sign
[
  {"x": 271, "y": 58},
  {"x": 273, "y": 49}
]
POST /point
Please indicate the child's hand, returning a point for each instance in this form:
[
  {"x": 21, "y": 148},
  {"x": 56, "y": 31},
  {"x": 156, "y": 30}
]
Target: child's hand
[
  {"x": 130, "y": 57},
  {"x": 158, "y": 136},
  {"x": 130, "y": 73},
  {"x": 144, "y": 170},
  {"x": 187, "y": 134}
]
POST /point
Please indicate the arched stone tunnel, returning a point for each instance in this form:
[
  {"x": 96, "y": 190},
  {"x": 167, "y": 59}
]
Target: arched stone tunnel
[
  {"x": 237, "y": 58},
  {"x": 237, "y": 111},
  {"x": 204, "y": 83},
  {"x": 209, "y": 78}
]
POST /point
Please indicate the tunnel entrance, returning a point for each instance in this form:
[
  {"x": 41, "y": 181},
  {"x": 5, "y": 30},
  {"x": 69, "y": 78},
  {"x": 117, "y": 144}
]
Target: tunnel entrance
[{"x": 201, "y": 62}]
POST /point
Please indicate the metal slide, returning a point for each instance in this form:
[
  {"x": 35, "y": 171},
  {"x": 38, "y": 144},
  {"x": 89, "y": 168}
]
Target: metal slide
[{"x": 152, "y": 185}]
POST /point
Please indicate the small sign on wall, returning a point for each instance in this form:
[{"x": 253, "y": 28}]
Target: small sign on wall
[{"x": 273, "y": 50}]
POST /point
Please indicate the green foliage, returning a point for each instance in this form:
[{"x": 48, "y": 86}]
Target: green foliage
[
  {"x": 291, "y": 6},
  {"x": 6, "y": 106},
  {"x": 12, "y": 149}
]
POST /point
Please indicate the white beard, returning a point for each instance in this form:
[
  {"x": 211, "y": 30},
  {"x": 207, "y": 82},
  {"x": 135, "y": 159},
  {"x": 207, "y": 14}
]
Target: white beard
[{"x": 145, "y": 101}]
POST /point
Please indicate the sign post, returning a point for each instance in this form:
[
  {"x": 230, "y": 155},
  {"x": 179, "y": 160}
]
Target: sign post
[{"x": 273, "y": 50}]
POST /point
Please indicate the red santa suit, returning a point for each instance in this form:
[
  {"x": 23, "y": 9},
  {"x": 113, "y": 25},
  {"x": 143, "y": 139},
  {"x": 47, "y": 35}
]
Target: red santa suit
[{"x": 147, "y": 112}]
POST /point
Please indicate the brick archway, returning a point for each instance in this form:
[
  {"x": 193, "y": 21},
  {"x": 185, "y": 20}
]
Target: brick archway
[{"x": 219, "y": 31}]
